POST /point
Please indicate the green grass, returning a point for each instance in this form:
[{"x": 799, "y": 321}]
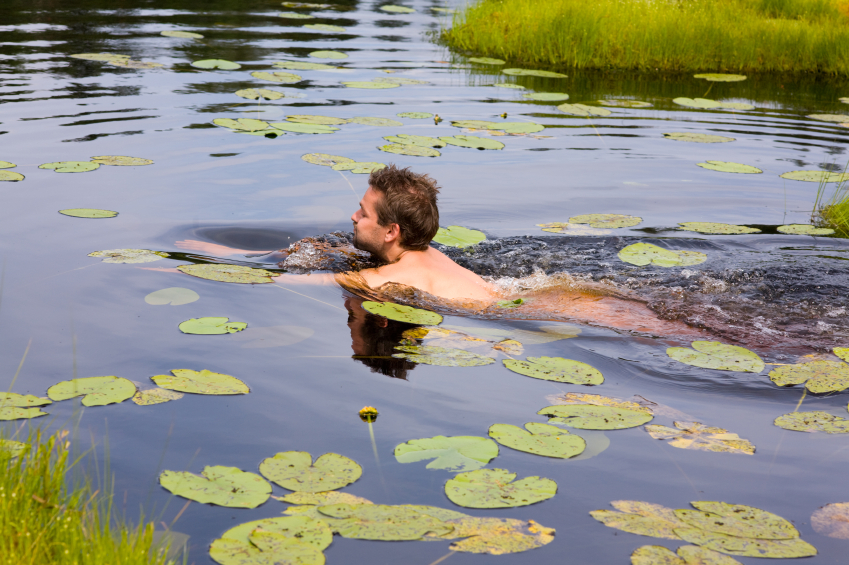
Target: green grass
[
  {"x": 833, "y": 212},
  {"x": 47, "y": 520},
  {"x": 665, "y": 35}
]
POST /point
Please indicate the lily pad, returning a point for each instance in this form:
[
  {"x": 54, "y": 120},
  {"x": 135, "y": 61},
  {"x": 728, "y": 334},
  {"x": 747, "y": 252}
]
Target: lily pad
[
  {"x": 816, "y": 421},
  {"x": 257, "y": 93},
  {"x": 720, "y": 77},
  {"x": 324, "y": 159},
  {"x": 155, "y": 396},
  {"x": 211, "y": 326},
  {"x": 295, "y": 16},
  {"x": 655, "y": 555},
  {"x": 329, "y": 55},
  {"x": 128, "y": 64},
  {"x": 641, "y": 518},
  {"x": 277, "y": 76},
  {"x": 694, "y": 435},
  {"x": 819, "y": 376},
  {"x": 737, "y": 520},
  {"x": 546, "y": 96},
  {"x": 409, "y": 149},
  {"x": 832, "y": 520},
  {"x": 641, "y": 254},
  {"x": 517, "y": 128},
  {"x": 458, "y": 236},
  {"x": 804, "y": 229},
  {"x": 702, "y": 103},
  {"x": 382, "y": 523},
  {"x": 402, "y": 313},
  {"x": 370, "y": 84},
  {"x": 88, "y": 213},
  {"x": 201, "y": 382},
  {"x": 306, "y": 530},
  {"x": 322, "y": 498},
  {"x": 129, "y": 255},
  {"x": 11, "y": 176},
  {"x": 181, "y": 34},
  {"x": 219, "y": 485},
  {"x": 14, "y": 400},
  {"x": 816, "y": 176},
  {"x": 399, "y": 80},
  {"x": 121, "y": 161},
  {"x": 842, "y": 352},
  {"x": 719, "y": 356},
  {"x": 381, "y": 122},
  {"x": 624, "y": 103},
  {"x": 716, "y": 228},
  {"x": 539, "y": 439},
  {"x": 317, "y": 120},
  {"x": 241, "y": 124},
  {"x": 8, "y": 413},
  {"x": 71, "y": 166},
  {"x": 572, "y": 229},
  {"x": 415, "y": 115},
  {"x": 697, "y": 137},
  {"x": 297, "y": 127},
  {"x": 227, "y": 273},
  {"x": 583, "y": 110},
  {"x": 729, "y": 167},
  {"x": 397, "y": 9},
  {"x": 266, "y": 547},
  {"x": 359, "y": 167},
  {"x": 598, "y": 400},
  {"x": 96, "y": 391},
  {"x": 473, "y": 124},
  {"x": 498, "y": 536},
  {"x": 295, "y": 470},
  {"x": 325, "y": 27},
  {"x": 176, "y": 296},
  {"x": 304, "y": 66},
  {"x": 556, "y": 369},
  {"x": 747, "y": 547},
  {"x": 587, "y": 417},
  {"x": 455, "y": 454},
  {"x": 105, "y": 57},
  {"x": 419, "y": 140},
  {"x": 509, "y": 85},
  {"x": 222, "y": 64},
  {"x": 836, "y": 118},
  {"x": 442, "y": 356},
  {"x": 473, "y": 142},
  {"x": 532, "y": 73},
  {"x": 606, "y": 220},
  {"x": 485, "y": 60},
  {"x": 497, "y": 488}
]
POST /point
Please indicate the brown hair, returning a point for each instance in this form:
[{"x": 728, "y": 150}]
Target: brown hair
[{"x": 409, "y": 200}]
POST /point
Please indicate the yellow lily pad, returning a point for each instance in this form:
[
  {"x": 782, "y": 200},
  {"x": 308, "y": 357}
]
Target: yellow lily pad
[
  {"x": 815, "y": 421},
  {"x": 71, "y": 166},
  {"x": 819, "y": 376},
  {"x": 201, "y": 382},
  {"x": 155, "y": 396},
  {"x": 694, "y": 435},
  {"x": 588, "y": 417},
  {"x": 88, "y": 213}
]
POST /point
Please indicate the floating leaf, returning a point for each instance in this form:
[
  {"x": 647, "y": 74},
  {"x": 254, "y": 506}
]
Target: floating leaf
[
  {"x": 458, "y": 236},
  {"x": 655, "y": 555},
  {"x": 572, "y": 229},
  {"x": 473, "y": 142},
  {"x": 716, "y": 355},
  {"x": 71, "y": 166},
  {"x": 317, "y": 120},
  {"x": 201, "y": 382},
  {"x": 532, "y": 73},
  {"x": 134, "y": 64},
  {"x": 397, "y": 9},
  {"x": 819, "y": 376},
  {"x": 155, "y": 396},
  {"x": 181, "y": 34},
  {"x": 295, "y": 470},
  {"x": 222, "y": 64},
  {"x": 729, "y": 167},
  {"x": 484, "y": 60},
  {"x": 277, "y": 76},
  {"x": 697, "y": 137},
  {"x": 303, "y": 66},
  {"x": 369, "y": 84},
  {"x": 588, "y": 417},
  {"x": 455, "y": 454},
  {"x": 804, "y": 229},
  {"x": 14, "y": 400},
  {"x": 474, "y": 124},
  {"x": 399, "y": 80},
  {"x": 509, "y": 85},
  {"x": 842, "y": 352},
  {"x": 88, "y": 213},
  {"x": 211, "y": 326},
  {"x": 419, "y": 140},
  {"x": 546, "y": 96},
  {"x": 598, "y": 400},
  {"x": 402, "y": 313},
  {"x": 539, "y": 439},
  {"x": 329, "y": 55},
  {"x": 442, "y": 356},
  {"x": 369, "y": 121},
  {"x": 11, "y": 176},
  {"x": 409, "y": 149},
  {"x": 360, "y": 167},
  {"x": 556, "y": 369},
  {"x": 695, "y": 555},
  {"x": 322, "y": 498},
  {"x": 121, "y": 161},
  {"x": 14, "y": 413},
  {"x": 716, "y": 228},
  {"x": 641, "y": 518},
  {"x": 495, "y": 488},
  {"x": 325, "y": 27},
  {"x": 257, "y": 93},
  {"x": 646, "y": 253},
  {"x": 324, "y": 159},
  {"x": 219, "y": 485},
  {"x": 583, "y": 110},
  {"x": 129, "y": 255},
  {"x": 242, "y": 124},
  {"x": 266, "y": 547},
  {"x": 694, "y": 435},
  {"x": 832, "y": 520},
  {"x": 747, "y": 547},
  {"x": 306, "y": 530},
  {"x": 297, "y": 127},
  {"x": 624, "y": 103},
  {"x": 702, "y": 103},
  {"x": 720, "y": 77},
  {"x": 100, "y": 56},
  {"x": 227, "y": 273},
  {"x": 516, "y": 128},
  {"x": 816, "y": 421},
  {"x": 415, "y": 115},
  {"x": 176, "y": 296},
  {"x": 816, "y": 176},
  {"x": 380, "y": 522},
  {"x": 499, "y": 536},
  {"x": 606, "y": 220},
  {"x": 836, "y": 118},
  {"x": 295, "y": 16},
  {"x": 737, "y": 520},
  {"x": 96, "y": 391}
]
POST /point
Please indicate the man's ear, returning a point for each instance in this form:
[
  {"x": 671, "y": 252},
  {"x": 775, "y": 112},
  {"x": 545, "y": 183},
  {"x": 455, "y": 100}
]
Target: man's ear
[{"x": 393, "y": 234}]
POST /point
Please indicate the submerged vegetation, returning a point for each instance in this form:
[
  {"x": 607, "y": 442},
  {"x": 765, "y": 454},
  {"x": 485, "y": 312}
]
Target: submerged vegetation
[{"x": 667, "y": 35}]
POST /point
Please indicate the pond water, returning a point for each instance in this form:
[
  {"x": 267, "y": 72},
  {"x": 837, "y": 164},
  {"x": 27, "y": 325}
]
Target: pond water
[{"x": 85, "y": 318}]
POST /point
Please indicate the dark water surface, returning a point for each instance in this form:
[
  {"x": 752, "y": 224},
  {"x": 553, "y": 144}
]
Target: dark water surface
[{"x": 88, "y": 318}]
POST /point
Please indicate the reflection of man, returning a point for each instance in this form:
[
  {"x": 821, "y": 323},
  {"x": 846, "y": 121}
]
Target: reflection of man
[{"x": 373, "y": 339}]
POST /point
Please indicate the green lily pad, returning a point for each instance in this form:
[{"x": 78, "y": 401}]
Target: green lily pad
[
  {"x": 304, "y": 66},
  {"x": 88, "y": 213},
  {"x": 382, "y": 122},
  {"x": 297, "y": 127},
  {"x": 71, "y": 166},
  {"x": 419, "y": 140},
  {"x": 737, "y": 520},
  {"x": 458, "y": 236},
  {"x": 325, "y": 27},
  {"x": 498, "y": 536},
  {"x": 359, "y": 167},
  {"x": 128, "y": 64},
  {"x": 556, "y": 369},
  {"x": 606, "y": 220},
  {"x": 819, "y": 376},
  {"x": 402, "y": 313},
  {"x": 317, "y": 120},
  {"x": 222, "y": 64},
  {"x": 509, "y": 85},
  {"x": 624, "y": 103},
  {"x": 181, "y": 34},
  {"x": 747, "y": 547},
  {"x": 201, "y": 382},
  {"x": 646, "y": 253},
  {"x": 211, "y": 326},
  {"x": 121, "y": 161},
  {"x": 322, "y": 498},
  {"x": 11, "y": 176},
  {"x": 227, "y": 273},
  {"x": 701, "y": 103},
  {"x": 129, "y": 255},
  {"x": 729, "y": 167},
  {"x": 295, "y": 16},
  {"x": 546, "y": 96},
  {"x": 442, "y": 356},
  {"x": 583, "y": 110},
  {"x": 455, "y": 454},
  {"x": 14, "y": 400},
  {"x": 219, "y": 485},
  {"x": 306, "y": 530},
  {"x": 719, "y": 356},
  {"x": 591, "y": 417},
  {"x": 96, "y": 391},
  {"x": 329, "y": 55},
  {"x": 324, "y": 159},
  {"x": 415, "y": 115},
  {"x": 485, "y": 60},
  {"x": 383, "y": 523},
  {"x": 399, "y": 80},
  {"x": 155, "y": 396},
  {"x": 517, "y": 127},
  {"x": 720, "y": 77},
  {"x": 409, "y": 149},
  {"x": 695, "y": 555},
  {"x": 397, "y": 9},
  {"x": 532, "y": 73},
  {"x": 641, "y": 518},
  {"x": 175, "y": 295},
  {"x": 815, "y": 421},
  {"x": 369, "y": 84},
  {"x": 277, "y": 76},
  {"x": 816, "y": 176},
  {"x": 295, "y": 470},
  {"x": 836, "y": 118},
  {"x": 241, "y": 124},
  {"x": 8, "y": 413},
  {"x": 655, "y": 555},
  {"x": 539, "y": 439},
  {"x": 697, "y": 137},
  {"x": 473, "y": 124},
  {"x": 497, "y": 488},
  {"x": 257, "y": 93},
  {"x": 473, "y": 142},
  {"x": 804, "y": 229},
  {"x": 716, "y": 228},
  {"x": 266, "y": 547},
  {"x": 99, "y": 56},
  {"x": 736, "y": 106}
]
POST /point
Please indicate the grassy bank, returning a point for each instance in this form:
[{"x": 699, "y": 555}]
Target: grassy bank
[
  {"x": 666, "y": 35},
  {"x": 46, "y": 521}
]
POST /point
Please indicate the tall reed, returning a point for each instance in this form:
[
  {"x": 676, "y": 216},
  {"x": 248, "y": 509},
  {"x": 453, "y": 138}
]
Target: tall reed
[
  {"x": 666, "y": 35},
  {"x": 833, "y": 211}
]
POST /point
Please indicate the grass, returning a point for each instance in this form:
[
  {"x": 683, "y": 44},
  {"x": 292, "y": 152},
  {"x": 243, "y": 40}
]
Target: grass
[
  {"x": 793, "y": 36},
  {"x": 46, "y": 520},
  {"x": 833, "y": 212}
]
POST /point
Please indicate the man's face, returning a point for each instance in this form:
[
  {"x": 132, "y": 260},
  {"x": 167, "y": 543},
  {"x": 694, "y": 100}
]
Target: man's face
[{"x": 369, "y": 235}]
